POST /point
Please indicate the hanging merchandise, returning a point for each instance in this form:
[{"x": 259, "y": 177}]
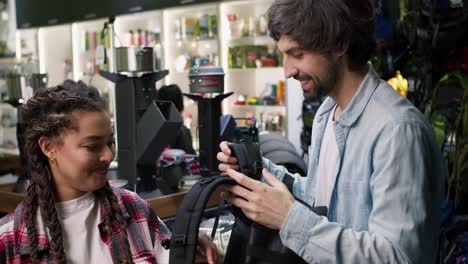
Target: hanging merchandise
[
  {"x": 449, "y": 116},
  {"x": 442, "y": 23}
]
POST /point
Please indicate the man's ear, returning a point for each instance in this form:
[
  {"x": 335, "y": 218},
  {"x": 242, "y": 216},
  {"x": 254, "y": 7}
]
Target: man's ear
[
  {"x": 48, "y": 146},
  {"x": 340, "y": 53}
]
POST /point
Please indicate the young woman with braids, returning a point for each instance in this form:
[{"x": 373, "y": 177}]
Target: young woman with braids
[{"x": 70, "y": 213}]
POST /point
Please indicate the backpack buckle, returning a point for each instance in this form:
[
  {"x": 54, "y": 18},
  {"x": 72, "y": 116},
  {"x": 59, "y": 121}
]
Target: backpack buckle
[{"x": 179, "y": 240}]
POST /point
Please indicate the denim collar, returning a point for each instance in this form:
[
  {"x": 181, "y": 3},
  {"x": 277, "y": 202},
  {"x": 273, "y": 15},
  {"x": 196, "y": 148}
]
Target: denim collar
[{"x": 359, "y": 101}]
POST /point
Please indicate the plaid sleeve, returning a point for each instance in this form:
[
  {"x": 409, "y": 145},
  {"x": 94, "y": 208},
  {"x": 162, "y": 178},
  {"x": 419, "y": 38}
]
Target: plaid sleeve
[
  {"x": 162, "y": 233},
  {"x": 6, "y": 236},
  {"x": 141, "y": 211}
]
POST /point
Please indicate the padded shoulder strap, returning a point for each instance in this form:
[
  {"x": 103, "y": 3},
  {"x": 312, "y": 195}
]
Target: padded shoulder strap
[
  {"x": 249, "y": 158},
  {"x": 187, "y": 222}
]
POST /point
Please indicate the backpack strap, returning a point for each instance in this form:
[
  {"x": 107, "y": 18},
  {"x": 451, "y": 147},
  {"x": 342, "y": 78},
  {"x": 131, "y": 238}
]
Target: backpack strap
[
  {"x": 187, "y": 222},
  {"x": 249, "y": 158}
]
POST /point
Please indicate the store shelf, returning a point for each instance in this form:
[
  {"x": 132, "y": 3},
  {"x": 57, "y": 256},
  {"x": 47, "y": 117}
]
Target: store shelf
[
  {"x": 199, "y": 41},
  {"x": 13, "y": 60},
  {"x": 8, "y": 129},
  {"x": 269, "y": 117},
  {"x": 203, "y": 46},
  {"x": 260, "y": 40},
  {"x": 254, "y": 70}
]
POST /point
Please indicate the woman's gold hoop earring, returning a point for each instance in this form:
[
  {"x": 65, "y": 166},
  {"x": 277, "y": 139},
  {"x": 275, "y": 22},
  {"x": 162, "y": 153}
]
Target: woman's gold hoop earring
[{"x": 52, "y": 160}]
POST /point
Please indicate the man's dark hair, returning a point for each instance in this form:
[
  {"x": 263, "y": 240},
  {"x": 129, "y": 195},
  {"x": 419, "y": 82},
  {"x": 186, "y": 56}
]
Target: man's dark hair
[
  {"x": 172, "y": 93},
  {"x": 326, "y": 26}
]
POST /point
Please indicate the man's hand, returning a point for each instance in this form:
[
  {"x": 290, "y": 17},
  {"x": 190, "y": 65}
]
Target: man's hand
[
  {"x": 262, "y": 203},
  {"x": 226, "y": 159},
  {"x": 207, "y": 252}
]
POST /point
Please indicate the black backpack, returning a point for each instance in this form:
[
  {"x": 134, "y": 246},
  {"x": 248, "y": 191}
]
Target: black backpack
[{"x": 249, "y": 242}]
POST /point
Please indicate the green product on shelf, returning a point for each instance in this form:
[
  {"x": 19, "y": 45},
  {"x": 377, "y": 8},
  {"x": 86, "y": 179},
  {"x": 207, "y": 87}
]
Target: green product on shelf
[
  {"x": 245, "y": 28},
  {"x": 251, "y": 55},
  {"x": 230, "y": 62},
  {"x": 236, "y": 57},
  {"x": 212, "y": 26},
  {"x": 280, "y": 56},
  {"x": 196, "y": 28},
  {"x": 87, "y": 40}
]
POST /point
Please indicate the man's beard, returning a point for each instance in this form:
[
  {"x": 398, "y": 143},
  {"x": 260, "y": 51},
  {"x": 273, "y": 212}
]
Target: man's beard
[{"x": 325, "y": 85}]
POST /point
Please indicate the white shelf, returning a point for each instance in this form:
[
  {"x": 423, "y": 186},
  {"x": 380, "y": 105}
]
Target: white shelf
[
  {"x": 253, "y": 70},
  {"x": 258, "y": 40},
  {"x": 11, "y": 60},
  {"x": 199, "y": 41},
  {"x": 10, "y": 151},
  {"x": 8, "y": 129}
]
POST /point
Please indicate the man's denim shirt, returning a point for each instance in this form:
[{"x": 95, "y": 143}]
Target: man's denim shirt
[{"x": 388, "y": 186}]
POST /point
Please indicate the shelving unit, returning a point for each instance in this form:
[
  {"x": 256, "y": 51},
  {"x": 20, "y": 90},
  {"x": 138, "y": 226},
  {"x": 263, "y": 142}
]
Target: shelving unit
[
  {"x": 192, "y": 34},
  {"x": 85, "y": 41},
  {"x": 244, "y": 38},
  {"x": 142, "y": 29},
  {"x": 53, "y": 54},
  {"x": 8, "y": 119},
  {"x": 200, "y": 34},
  {"x": 257, "y": 40}
]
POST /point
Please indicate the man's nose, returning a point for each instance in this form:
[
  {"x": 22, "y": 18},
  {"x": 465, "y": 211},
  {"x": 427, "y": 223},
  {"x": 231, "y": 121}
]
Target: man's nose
[{"x": 289, "y": 69}]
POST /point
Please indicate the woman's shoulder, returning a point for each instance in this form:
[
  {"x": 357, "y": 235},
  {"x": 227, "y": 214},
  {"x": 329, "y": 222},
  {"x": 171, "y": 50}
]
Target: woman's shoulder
[
  {"x": 140, "y": 210},
  {"x": 9, "y": 221},
  {"x": 131, "y": 202},
  {"x": 6, "y": 223}
]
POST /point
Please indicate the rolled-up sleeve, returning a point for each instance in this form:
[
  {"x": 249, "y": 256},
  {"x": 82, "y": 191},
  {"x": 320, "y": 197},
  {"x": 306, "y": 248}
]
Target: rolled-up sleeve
[{"x": 280, "y": 171}]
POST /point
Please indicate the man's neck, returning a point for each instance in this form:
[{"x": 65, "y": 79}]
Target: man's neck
[{"x": 347, "y": 87}]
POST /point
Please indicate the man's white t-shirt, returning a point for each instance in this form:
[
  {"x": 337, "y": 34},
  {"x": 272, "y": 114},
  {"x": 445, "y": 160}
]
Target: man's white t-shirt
[{"x": 328, "y": 160}]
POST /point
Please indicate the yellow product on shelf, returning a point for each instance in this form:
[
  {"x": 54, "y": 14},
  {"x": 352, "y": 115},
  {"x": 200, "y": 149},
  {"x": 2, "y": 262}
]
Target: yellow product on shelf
[
  {"x": 251, "y": 100},
  {"x": 399, "y": 83}
]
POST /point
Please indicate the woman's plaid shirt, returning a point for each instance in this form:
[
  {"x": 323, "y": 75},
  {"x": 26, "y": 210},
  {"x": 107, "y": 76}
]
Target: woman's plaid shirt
[{"x": 144, "y": 230}]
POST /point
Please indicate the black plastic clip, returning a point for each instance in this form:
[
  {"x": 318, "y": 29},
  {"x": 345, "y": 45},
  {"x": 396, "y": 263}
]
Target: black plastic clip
[{"x": 179, "y": 240}]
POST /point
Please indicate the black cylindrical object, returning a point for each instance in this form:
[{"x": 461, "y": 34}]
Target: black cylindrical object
[
  {"x": 209, "y": 114},
  {"x": 39, "y": 80},
  {"x": 208, "y": 80}
]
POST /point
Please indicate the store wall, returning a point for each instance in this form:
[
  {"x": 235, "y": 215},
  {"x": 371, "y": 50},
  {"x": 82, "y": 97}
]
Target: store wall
[{"x": 55, "y": 47}]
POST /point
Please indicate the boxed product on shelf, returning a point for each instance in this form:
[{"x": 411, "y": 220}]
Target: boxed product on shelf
[
  {"x": 253, "y": 56},
  {"x": 251, "y": 26},
  {"x": 196, "y": 28}
]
